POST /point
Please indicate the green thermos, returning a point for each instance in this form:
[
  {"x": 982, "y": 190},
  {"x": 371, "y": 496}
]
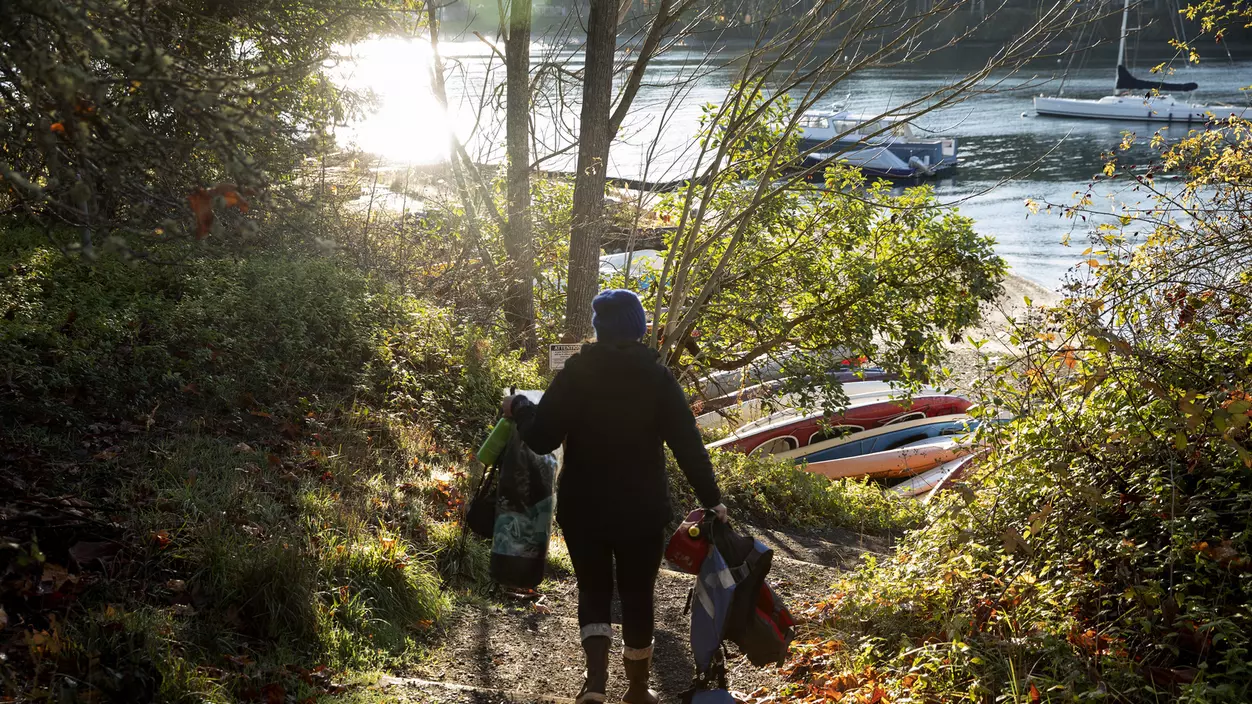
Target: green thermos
[{"x": 495, "y": 442}]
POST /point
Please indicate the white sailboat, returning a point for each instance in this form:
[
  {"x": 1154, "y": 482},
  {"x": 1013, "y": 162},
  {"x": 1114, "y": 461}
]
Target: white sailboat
[{"x": 1135, "y": 99}]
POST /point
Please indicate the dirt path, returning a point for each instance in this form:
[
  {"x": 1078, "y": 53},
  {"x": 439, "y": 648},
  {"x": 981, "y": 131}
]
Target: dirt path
[{"x": 518, "y": 652}]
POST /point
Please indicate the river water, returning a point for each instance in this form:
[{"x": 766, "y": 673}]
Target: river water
[{"x": 1008, "y": 155}]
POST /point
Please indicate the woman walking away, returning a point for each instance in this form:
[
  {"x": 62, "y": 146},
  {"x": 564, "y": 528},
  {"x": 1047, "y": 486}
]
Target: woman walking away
[{"x": 613, "y": 405}]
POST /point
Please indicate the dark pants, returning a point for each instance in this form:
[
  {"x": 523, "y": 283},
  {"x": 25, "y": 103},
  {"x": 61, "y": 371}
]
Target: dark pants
[{"x": 638, "y": 560}]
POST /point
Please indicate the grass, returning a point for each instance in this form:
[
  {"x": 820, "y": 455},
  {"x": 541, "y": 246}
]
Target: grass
[
  {"x": 273, "y": 450},
  {"x": 774, "y": 493}
]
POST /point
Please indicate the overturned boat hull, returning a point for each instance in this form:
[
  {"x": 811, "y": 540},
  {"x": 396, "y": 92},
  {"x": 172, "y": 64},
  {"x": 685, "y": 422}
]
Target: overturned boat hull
[
  {"x": 759, "y": 412},
  {"x": 931, "y": 478},
  {"x": 795, "y": 432},
  {"x": 900, "y": 462},
  {"x": 883, "y": 438}
]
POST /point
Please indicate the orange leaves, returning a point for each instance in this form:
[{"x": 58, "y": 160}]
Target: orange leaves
[
  {"x": 58, "y": 127},
  {"x": 1034, "y": 694},
  {"x": 201, "y": 202},
  {"x": 1068, "y": 358},
  {"x": 446, "y": 497},
  {"x": 812, "y": 677},
  {"x": 161, "y": 538},
  {"x": 1093, "y": 643},
  {"x": 1225, "y": 555},
  {"x": 274, "y": 693}
]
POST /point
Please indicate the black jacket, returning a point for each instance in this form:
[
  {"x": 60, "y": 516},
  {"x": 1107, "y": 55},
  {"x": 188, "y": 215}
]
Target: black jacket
[{"x": 613, "y": 405}]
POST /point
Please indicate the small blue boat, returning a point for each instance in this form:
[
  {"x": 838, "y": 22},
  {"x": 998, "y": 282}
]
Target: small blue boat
[{"x": 880, "y": 147}]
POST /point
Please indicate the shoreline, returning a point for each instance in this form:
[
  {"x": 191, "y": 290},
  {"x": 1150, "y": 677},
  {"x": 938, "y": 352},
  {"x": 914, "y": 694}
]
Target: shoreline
[{"x": 965, "y": 360}]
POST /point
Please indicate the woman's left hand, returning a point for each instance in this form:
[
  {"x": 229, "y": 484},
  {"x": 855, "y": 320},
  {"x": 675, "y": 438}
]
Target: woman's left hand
[{"x": 723, "y": 514}]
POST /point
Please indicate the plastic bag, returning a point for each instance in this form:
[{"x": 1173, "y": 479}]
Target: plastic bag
[{"x": 525, "y": 506}]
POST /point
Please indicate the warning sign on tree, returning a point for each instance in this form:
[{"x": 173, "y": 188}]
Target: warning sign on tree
[{"x": 558, "y": 354}]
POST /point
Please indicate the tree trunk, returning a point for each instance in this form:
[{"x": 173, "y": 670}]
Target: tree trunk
[
  {"x": 594, "y": 137},
  {"x": 519, "y": 307}
]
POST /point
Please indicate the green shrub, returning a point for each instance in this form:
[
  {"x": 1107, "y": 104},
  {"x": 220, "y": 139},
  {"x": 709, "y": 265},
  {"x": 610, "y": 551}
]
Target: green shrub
[
  {"x": 777, "y": 494},
  {"x": 1102, "y": 550},
  {"x": 269, "y": 334},
  {"x": 82, "y": 340}
]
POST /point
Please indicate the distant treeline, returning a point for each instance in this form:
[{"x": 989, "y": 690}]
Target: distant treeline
[{"x": 982, "y": 21}]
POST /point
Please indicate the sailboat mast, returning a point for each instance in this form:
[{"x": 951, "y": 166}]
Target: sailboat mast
[{"x": 1121, "y": 47}]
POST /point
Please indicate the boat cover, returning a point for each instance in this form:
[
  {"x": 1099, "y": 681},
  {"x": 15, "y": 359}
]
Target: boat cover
[{"x": 1127, "y": 81}]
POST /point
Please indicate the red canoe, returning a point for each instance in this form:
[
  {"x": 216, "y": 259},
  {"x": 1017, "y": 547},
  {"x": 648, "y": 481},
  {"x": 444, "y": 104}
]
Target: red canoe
[{"x": 793, "y": 432}]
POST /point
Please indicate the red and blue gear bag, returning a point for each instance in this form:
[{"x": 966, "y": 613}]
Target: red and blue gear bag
[{"x": 731, "y": 601}]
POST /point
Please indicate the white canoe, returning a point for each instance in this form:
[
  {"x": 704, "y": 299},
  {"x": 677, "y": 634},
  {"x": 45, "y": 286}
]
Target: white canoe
[
  {"x": 931, "y": 478},
  {"x": 860, "y": 397},
  {"x": 787, "y": 405}
]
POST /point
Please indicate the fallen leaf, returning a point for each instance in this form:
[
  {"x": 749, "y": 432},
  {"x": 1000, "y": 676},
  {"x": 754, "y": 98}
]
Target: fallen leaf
[
  {"x": 243, "y": 447},
  {"x": 274, "y": 693},
  {"x": 1034, "y": 694},
  {"x": 162, "y": 538},
  {"x": 84, "y": 553},
  {"x": 56, "y": 576},
  {"x": 106, "y": 455},
  {"x": 177, "y": 586},
  {"x": 201, "y": 202},
  {"x": 4, "y": 619},
  {"x": 58, "y": 127}
]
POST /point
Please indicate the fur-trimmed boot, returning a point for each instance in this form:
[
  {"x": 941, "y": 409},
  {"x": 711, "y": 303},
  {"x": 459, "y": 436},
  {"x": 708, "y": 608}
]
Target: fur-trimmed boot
[
  {"x": 596, "y": 646},
  {"x": 638, "y": 665}
]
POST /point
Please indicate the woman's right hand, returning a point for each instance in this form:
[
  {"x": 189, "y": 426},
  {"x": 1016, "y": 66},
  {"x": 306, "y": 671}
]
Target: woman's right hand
[{"x": 722, "y": 514}]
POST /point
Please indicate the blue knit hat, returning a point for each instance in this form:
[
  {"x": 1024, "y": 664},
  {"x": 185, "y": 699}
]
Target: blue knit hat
[{"x": 618, "y": 316}]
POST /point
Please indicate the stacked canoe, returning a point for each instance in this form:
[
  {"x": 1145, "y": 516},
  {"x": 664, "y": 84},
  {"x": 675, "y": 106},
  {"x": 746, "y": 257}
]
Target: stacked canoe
[{"x": 881, "y": 433}]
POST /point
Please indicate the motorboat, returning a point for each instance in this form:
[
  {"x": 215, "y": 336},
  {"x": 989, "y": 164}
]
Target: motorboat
[
  {"x": 878, "y": 146},
  {"x": 1136, "y": 99}
]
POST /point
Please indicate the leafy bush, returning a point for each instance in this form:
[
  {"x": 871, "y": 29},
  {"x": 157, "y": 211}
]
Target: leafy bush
[{"x": 1103, "y": 552}]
